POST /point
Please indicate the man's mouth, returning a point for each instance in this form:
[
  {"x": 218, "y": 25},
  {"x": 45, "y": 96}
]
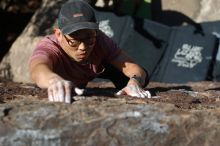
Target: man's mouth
[{"x": 82, "y": 55}]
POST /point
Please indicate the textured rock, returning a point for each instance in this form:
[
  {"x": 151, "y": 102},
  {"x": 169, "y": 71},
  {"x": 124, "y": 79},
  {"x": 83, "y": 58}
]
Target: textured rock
[
  {"x": 108, "y": 122},
  {"x": 100, "y": 118}
]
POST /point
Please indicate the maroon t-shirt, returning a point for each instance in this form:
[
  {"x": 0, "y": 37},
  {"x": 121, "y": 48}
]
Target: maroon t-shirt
[{"x": 50, "y": 51}]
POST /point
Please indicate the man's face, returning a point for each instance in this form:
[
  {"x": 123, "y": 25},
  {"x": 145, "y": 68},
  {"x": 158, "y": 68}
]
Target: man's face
[{"x": 79, "y": 44}]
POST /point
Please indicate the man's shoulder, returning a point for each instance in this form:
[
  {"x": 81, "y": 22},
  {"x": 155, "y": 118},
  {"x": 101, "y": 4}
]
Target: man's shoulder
[
  {"x": 103, "y": 39},
  {"x": 48, "y": 43},
  {"x": 102, "y": 34},
  {"x": 49, "y": 39}
]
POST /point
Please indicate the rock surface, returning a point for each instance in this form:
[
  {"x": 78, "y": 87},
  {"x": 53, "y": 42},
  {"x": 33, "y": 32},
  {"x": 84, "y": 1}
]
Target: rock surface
[{"x": 186, "y": 115}]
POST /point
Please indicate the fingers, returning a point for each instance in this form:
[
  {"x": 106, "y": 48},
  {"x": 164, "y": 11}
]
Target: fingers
[
  {"x": 134, "y": 91},
  {"x": 68, "y": 88},
  {"x": 121, "y": 92},
  {"x": 147, "y": 94},
  {"x": 79, "y": 91},
  {"x": 60, "y": 91},
  {"x": 50, "y": 94}
]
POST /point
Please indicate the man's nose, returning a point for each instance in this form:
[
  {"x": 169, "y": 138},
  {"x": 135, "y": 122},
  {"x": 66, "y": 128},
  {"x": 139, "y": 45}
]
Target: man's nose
[{"x": 82, "y": 46}]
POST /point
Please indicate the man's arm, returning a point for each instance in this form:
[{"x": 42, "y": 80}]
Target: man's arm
[
  {"x": 59, "y": 90},
  {"x": 137, "y": 76},
  {"x": 132, "y": 70},
  {"x": 41, "y": 73}
]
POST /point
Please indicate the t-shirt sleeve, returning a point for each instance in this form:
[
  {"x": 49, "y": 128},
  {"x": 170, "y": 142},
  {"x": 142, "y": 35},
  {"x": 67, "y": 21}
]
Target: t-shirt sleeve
[
  {"x": 110, "y": 49},
  {"x": 45, "y": 51}
]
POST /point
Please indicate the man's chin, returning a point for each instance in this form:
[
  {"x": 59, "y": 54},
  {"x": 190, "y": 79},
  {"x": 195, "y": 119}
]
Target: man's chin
[{"x": 81, "y": 60}]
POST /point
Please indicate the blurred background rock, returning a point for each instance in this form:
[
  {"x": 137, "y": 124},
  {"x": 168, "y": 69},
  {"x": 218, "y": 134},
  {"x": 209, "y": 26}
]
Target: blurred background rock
[{"x": 15, "y": 15}]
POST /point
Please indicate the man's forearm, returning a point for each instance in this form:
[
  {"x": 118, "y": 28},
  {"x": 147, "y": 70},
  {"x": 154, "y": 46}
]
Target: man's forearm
[
  {"x": 138, "y": 75},
  {"x": 43, "y": 81},
  {"x": 42, "y": 75}
]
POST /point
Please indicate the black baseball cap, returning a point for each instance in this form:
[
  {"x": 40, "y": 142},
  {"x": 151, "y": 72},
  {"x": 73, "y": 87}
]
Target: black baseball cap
[{"x": 76, "y": 15}]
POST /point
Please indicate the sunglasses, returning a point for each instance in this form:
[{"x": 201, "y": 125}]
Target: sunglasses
[{"x": 89, "y": 41}]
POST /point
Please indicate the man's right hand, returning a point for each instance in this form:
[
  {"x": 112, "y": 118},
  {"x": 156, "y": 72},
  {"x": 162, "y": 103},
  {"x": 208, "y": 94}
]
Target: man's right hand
[{"x": 59, "y": 90}]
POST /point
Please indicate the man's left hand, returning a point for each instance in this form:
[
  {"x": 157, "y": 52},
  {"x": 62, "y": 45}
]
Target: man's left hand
[{"x": 134, "y": 91}]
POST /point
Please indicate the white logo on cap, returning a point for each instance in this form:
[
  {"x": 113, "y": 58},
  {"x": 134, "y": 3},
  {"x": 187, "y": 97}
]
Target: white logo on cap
[{"x": 78, "y": 15}]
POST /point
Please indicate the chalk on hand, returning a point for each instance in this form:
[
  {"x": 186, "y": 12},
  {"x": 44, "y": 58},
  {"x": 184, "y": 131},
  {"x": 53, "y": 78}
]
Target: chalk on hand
[{"x": 79, "y": 91}]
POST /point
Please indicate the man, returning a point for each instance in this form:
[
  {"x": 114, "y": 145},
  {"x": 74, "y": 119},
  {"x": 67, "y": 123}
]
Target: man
[{"x": 78, "y": 52}]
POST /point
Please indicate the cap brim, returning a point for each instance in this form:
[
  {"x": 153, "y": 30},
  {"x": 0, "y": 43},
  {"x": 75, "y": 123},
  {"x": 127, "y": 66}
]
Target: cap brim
[{"x": 81, "y": 25}]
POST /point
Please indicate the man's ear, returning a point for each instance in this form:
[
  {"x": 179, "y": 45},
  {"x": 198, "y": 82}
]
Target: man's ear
[{"x": 58, "y": 34}]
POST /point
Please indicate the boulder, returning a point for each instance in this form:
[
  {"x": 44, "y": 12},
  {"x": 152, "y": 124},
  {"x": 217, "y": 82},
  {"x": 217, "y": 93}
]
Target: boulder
[
  {"x": 185, "y": 115},
  {"x": 209, "y": 11},
  {"x": 98, "y": 122},
  {"x": 14, "y": 65},
  {"x": 181, "y": 12}
]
